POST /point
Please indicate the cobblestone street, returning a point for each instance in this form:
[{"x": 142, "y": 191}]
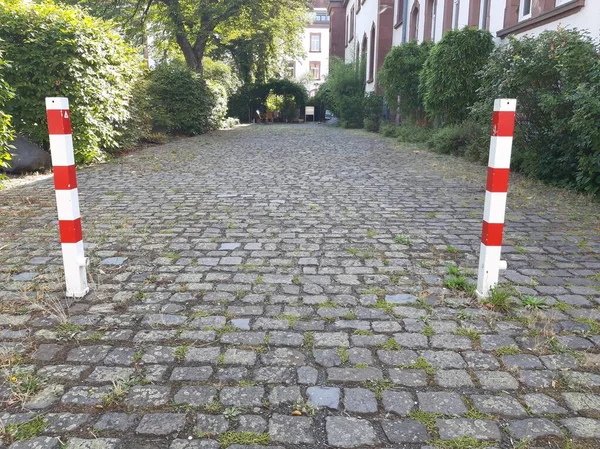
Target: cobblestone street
[{"x": 289, "y": 286}]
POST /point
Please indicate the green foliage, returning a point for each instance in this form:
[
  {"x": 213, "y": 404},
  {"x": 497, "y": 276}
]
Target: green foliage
[
  {"x": 344, "y": 91},
  {"x": 499, "y": 299},
  {"x": 287, "y": 94},
  {"x": 372, "y": 111},
  {"x": 412, "y": 133},
  {"x": 465, "y": 139},
  {"x": 6, "y": 132},
  {"x": 59, "y": 51},
  {"x": 181, "y": 102},
  {"x": 555, "y": 78},
  {"x": 399, "y": 78},
  {"x": 449, "y": 79}
]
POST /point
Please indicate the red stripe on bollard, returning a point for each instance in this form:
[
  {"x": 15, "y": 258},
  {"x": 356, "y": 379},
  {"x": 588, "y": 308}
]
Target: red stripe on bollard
[
  {"x": 65, "y": 178},
  {"x": 70, "y": 231},
  {"x": 491, "y": 233},
  {"x": 503, "y": 123},
  {"x": 59, "y": 121},
  {"x": 497, "y": 179}
]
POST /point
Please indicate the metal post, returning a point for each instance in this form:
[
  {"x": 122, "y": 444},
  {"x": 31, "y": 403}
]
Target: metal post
[
  {"x": 67, "y": 199},
  {"x": 503, "y": 124}
]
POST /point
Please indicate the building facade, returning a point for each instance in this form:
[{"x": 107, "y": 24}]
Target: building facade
[
  {"x": 312, "y": 68},
  {"x": 372, "y": 27}
]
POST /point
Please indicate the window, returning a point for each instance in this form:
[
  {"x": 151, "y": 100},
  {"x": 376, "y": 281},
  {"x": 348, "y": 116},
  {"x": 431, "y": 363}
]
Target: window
[
  {"x": 430, "y": 19},
  {"x": 399, "y": 11},
  {"x": 290, "y": 70},
  {"x": 351, "y": 24},
  {"x": 525, "y": 9},
  {"x": 455, "y": 14},
  {"x": 372, "y": 55},
  {"x": 484, "y": 8},
  {"x": 322, "y": 17},
  {"x": 315, "y": 42},
  {"x": 315, "y": 70},
  {"x": 414, "y": 23},
  {"x": 562, "y": 2}
]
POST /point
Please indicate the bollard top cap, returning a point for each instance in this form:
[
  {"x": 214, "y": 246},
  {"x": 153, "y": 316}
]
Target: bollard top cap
[
  {"x": 505, "y": 104},
  {"x": 57, "y": 103}
]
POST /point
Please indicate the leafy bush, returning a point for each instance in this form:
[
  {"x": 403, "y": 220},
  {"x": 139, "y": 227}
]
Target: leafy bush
[
  {"x": 344, "y": 91},
  {"x": 555, "y": 78},
  {"x": 412, "y": 133},
  {"x": 372, "y": 110},
  {"x": 388, "y": 129},
  {"x": 449, "y": 79},
  {"x": 181, "y": 102},
  {"x": 58, "y": 50},
  {"x": 399, "y": 78},
  {"x": 467, "y": 138},
  {"x": 6, "y": 132}
]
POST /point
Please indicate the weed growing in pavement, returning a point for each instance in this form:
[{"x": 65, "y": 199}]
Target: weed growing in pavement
[
  {"x": 460, "y": 443},
  {"x": 24, "y": 431},
  {"x": 507, "y": 350},
  {"x": 428, "y": 419},
  {"x": 23, "y": 386},
  {"x": 402, "y": 240},
  {"x": 231, "y": 413},
  {"x": 213, "y": 407},
  {"x": 309, "y": 340},
  {"x": 390, "y": 345},
  {"x": 428, "y": 331},
  {"x": 385, "y": 306},
  {"x": 343, "y": 353},
  {"x": 180, "y": 353},
  {"x": 421, "y": 363},
  {"x": 304, "y": 408},
  {"x": 533, "y": 303},
  {"x": 472, "y": 334},
  {"x": 117, "y": 394},
  {"x": 498, "y": 299},
  {"x": 455, "y": 280},
  {"x": 243, "y": 438},
  {"x": 371, "y": 233},
  {"x": 362, "y": 332},
  {"x": 379, "y": 386}
]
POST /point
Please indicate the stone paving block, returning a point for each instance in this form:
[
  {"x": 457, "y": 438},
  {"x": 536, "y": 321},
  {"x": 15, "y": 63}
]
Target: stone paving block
[
  {"x": 291, "y": 429},
  {"x": 349, "y": 432},
  {"x": 283, "y": 395},
  {"x": 532, "y": 429},
  {"x": 88, "y": 354},
  {"x": 411, "y": 341},
  {"x": 521, "y": 361},
  {"x": 541, "y": 404},
  {"x": 193, "y": 395},
  {"x": 498, "y": 405},
  {"x": 405, "y": 431},
  {"x": 582, "y": 427},
  {"x": 211, "y": 424},
  {"x": 331, "y": 339},
  {"x": 242, "y": 396},
  {"x": 195, "y": 444},
  {"x": 159, "y": 424},
  {"x": 453, "y": 378},
  {"x": 480, "y": 429},
  {"x": 408, "y": 377},
  {"x": 496, "y": 380},
  {"x": 444, "y": 359},
  {"x": 89, "y": 396},
  {"x": 395, "y": 358},
  {"x": 191, "y": 373},
  {"x": 148, "y": 395},
  {"x": 359, "y": 400},
  {"x": 452, "y": 342},
  {"x": 65, "y": 422},
  {"x": 399, "y": 402},
  {"x": 353, "y": 374},
  {"x": 324, "y": 397},
  {"x": 274, "y": 374},
  {"x": 446, "y": 403},
  {"x": 119, "y": 422},
  {"x": 37, "y": 443},
  {"x": 239, "y": 357},
  {"x": 96, "y": 443},
  {"x": 582, "y": 402},
  {"x": 252, "y": 423},
  {"x": 536, "y": 378},
  {"x": 307, "y": 375}
]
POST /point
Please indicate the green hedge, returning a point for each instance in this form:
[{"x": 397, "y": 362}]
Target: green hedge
[
  {"x": 555, "y": 79},
  {"x": 344, "y": 91},
  {"x": 6, "y": 132},
  {"x": 372, "y": 111},
  {"x": 399, "y": 78},
  {"x": 181, "y": 102},
  {"x": 58, "y": 50},
  {"x": 449, "y": 79}
]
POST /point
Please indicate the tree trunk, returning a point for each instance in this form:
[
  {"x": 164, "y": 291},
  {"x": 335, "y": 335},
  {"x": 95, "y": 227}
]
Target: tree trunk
[{"x": 193, "y": 54}]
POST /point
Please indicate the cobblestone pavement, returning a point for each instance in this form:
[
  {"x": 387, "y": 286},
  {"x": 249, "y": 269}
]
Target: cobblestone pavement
[{"x": 289, "y": 286}]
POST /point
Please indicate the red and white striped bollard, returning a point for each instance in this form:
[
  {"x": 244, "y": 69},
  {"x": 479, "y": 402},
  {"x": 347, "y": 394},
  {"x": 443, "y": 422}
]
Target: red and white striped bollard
[
  {"x": 503, "y": 125},
  {"x": 67, "y": 198}
]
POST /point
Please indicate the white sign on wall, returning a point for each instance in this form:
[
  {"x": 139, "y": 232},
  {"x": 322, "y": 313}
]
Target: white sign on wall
[{"x": 309, "y": 110}]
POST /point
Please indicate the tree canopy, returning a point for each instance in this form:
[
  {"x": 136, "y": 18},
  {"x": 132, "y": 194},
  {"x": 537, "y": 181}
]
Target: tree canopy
[{"x": 253, "y": 34}]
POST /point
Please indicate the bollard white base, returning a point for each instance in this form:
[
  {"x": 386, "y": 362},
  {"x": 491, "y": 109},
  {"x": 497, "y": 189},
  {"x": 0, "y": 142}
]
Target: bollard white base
[
  {"x": 489, "y": 269},
  {"x": 75, "y": 264}
]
